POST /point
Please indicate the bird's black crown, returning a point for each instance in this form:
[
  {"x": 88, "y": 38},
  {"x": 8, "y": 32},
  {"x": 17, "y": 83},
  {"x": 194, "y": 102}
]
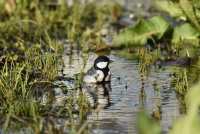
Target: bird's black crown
[{"x": 101, "y": 59}]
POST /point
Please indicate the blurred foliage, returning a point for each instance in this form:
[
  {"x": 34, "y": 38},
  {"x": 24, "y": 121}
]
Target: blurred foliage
[
  {"x": 156, "y": 29},
  {"x": 24, "y": 23},
  {"x": 31, "y": 20},
  {"x": 186, "y": 32},
  {"x": 189, "y": 123},
  {"x": 176, "y": 36},
  {"x": 186, "y": 124},
  {"x": 182, "y": 9},
  {"x": 142, "y": 31},
  {"x": 170, "y": 7},
  {"x": 153, "y": 28},
  {"x": 147, "y": 125}
]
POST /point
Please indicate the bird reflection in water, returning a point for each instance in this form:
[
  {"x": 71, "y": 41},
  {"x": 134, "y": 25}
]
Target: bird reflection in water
[{"x": 97, "y": 95}]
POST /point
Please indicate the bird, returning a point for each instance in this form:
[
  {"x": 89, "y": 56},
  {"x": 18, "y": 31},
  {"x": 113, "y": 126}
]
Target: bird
[{"x": 100, "y": 71}]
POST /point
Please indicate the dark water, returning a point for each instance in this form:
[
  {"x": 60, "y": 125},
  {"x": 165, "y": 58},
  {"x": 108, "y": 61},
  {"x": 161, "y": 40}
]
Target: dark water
[{"x": 119, "y": 113}]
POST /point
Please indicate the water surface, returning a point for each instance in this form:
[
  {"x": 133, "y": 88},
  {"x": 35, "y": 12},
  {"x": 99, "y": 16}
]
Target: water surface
[{"x": 129, "y": 95}]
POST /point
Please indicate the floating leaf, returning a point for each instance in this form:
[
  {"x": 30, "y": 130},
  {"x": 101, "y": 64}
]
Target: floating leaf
[
  {"x": 186, "y": 33},
  {"x": 142, "y": 31}
]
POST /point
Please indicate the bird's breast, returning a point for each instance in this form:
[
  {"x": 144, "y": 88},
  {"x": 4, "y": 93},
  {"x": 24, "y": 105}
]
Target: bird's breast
[{"x": 99, "y": 76}]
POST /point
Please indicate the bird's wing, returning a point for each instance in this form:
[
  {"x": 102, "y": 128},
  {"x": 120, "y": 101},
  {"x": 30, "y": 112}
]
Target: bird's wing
[
  {"x": 91, "y": 76},
  {"x": 91, "y": 71}
]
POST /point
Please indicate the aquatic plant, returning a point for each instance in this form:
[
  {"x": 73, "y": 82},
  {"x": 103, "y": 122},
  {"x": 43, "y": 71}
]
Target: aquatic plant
[
  {"x": 186, "y": 124},
  {"x": 181, "y": 9},
  {"x": 180, "y": 81},
  {"x": 156, "y": 29},
  {"x": 179, "y": 35},
  {"x": 138, "y": 34},
  {"x": 189, "y": 122},
  {"x": 16, "y": 94}
]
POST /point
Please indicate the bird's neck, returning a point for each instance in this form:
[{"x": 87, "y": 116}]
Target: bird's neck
[{"x": 105, "y": 71}]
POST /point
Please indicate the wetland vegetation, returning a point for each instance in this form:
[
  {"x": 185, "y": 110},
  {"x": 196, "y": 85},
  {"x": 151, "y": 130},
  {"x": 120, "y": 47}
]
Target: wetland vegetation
[{"x": 34, "y": 36}]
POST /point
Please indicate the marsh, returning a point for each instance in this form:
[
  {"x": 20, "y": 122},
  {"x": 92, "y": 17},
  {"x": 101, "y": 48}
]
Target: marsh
[{"x": 47, "y": 48}]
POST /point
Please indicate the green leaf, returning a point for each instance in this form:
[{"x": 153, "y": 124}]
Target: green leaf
[
  {"x": 186, "y": 33},
  {"x": 172, "y": 8},
  {"x": 143, "y": 30}
]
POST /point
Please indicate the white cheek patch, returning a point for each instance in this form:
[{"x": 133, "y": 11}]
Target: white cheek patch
[{"x": 102, "y": 65}]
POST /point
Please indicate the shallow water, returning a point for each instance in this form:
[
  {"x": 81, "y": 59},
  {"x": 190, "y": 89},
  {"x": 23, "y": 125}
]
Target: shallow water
[
  {"x": 118, "y": 108},
  {"x": 125, "y": 96}
]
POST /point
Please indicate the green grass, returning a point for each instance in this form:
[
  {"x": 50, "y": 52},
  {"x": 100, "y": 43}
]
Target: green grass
[
  {"x": 20, "y": 108},
  {"x": 31, "y": 34}
]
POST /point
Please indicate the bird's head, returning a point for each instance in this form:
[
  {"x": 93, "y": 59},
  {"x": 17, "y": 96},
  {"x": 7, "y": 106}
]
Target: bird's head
[{"x": 101, "y": 62}]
